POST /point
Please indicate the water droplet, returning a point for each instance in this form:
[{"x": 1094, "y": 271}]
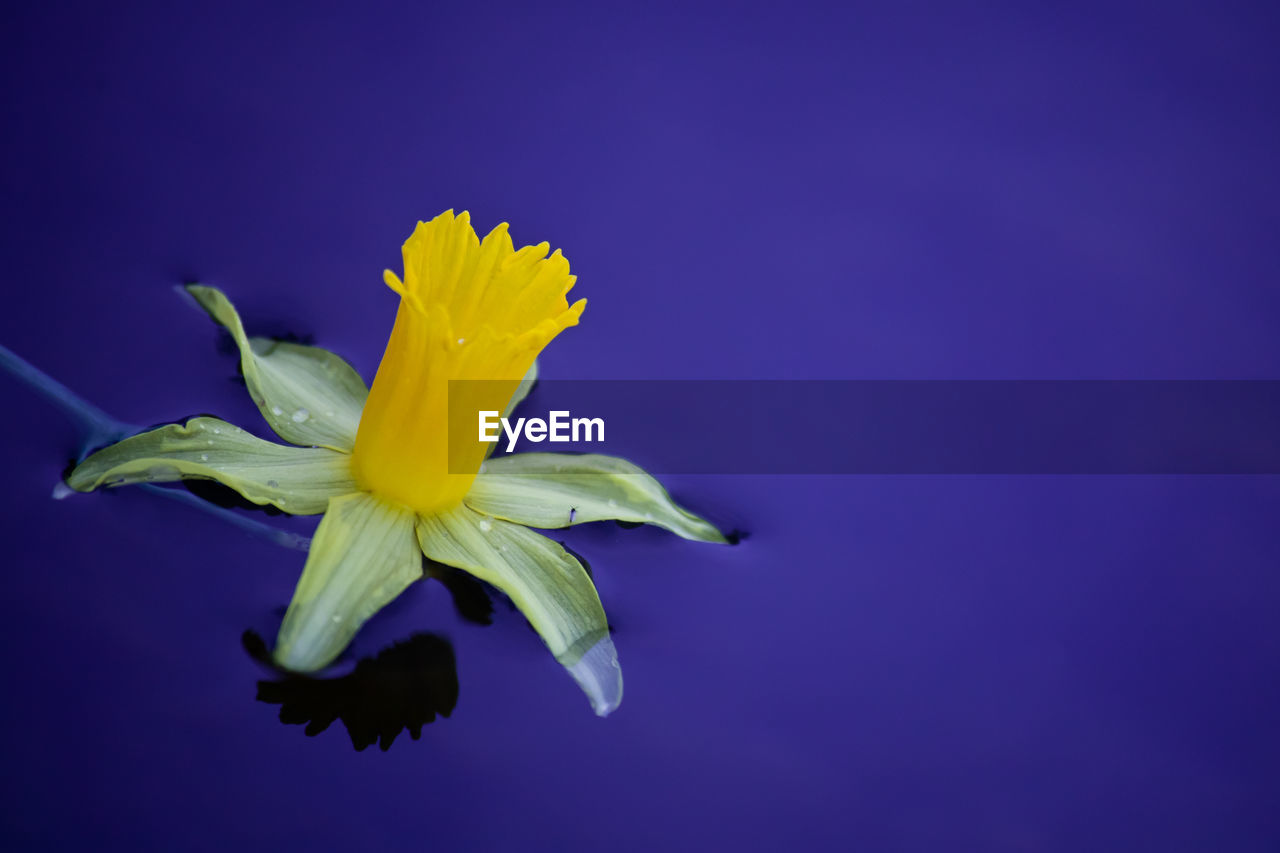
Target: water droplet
[
  {"x": 209, "y": 442},
  {"x": 300, "y": 416},
  {"x": 461, "y": 341},
  {"x": 648, "y": 516},
  {"x": 204, "y": 457},
  {"x": 328, "y": 414},
  {"x": 485, "y": 525},
  {"x": 337, "y": 619},
  {"x": 613, "y": 504},
  {"x": 272, "y": 484},
  {"x": 217, "y": 431},
  {"x": 276, "y": 410}
]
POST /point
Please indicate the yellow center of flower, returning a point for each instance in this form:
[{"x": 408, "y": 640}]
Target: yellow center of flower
[{"x": 469, "y": 310}]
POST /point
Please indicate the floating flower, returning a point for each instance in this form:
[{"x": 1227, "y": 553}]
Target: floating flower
[{"x": 378, "y": 465}]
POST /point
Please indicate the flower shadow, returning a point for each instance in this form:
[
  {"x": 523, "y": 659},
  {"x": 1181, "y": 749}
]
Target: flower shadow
[{"x": 404, "y": 686}]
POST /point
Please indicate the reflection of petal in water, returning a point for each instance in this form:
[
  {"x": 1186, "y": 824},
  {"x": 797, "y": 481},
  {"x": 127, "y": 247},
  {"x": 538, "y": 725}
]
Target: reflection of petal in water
[{"x": 403, "y": 687}]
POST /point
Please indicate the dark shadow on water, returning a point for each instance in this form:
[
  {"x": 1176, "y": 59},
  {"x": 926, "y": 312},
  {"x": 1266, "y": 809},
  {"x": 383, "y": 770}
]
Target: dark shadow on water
[
  {"x": 586, "y": 566},
  {"x": 472, "y": 597},
  {"x": 226, "y": 497},
  {"x": 403, "y": 687}
]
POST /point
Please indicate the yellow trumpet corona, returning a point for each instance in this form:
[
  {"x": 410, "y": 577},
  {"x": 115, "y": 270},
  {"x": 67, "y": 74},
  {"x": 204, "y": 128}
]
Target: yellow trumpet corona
[{"x": 470, "y": 309}]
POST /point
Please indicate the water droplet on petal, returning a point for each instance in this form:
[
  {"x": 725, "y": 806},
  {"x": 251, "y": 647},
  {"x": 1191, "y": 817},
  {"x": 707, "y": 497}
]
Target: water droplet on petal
[
  {"x": 300, "y": 416},
  {"x": 485, "y": 525},
  {"x": 328, "y": 414},
  {"x": 272, "y": 484},
  {"x": 276, "y": 410},
  {"x": 204, "y": 457},
  {"x": 337, "y": 619},
  {"x": 209, "y": 442},
  {"x": 613, "y": 504},
  {"x": 461, "y": 341},
  {"x": 217, "y": 431}
]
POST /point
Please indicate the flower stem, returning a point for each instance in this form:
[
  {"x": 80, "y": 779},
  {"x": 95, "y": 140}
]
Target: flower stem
[{"x": 96, "y": 426}]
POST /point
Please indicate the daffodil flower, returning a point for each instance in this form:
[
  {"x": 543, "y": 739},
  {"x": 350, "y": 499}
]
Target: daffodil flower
[{"x": 377, "y": 463}]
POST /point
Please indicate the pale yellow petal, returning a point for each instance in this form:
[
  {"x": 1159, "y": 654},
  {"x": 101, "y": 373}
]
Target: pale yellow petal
[
  {"x": 551, "y": 490},
  {"x": 309, "y": 396},
  {"x": 298, "y": 480},
  {"x": 549, "y": 586},
  {"x": 363, "y": 555}
]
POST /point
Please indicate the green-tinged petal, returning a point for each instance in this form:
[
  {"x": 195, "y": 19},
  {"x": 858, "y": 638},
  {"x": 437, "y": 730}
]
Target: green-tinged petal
[
  {"x": 549, "y": 586},
  {"x": 552, "y": 490},
  {"x": 363, "y": 555},
  {"x": 299, "y": 480},
  {"x": 522, "y": 390},
  {"x": 309, "y": 396}
]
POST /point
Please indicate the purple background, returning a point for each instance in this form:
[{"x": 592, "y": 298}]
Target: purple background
[{"x": 762, "y": 191}]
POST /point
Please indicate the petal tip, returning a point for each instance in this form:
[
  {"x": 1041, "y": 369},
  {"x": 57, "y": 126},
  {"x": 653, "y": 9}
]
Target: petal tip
[
  {"x": 391, "y": 280},
  {"x": 600, "y": 677}
]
